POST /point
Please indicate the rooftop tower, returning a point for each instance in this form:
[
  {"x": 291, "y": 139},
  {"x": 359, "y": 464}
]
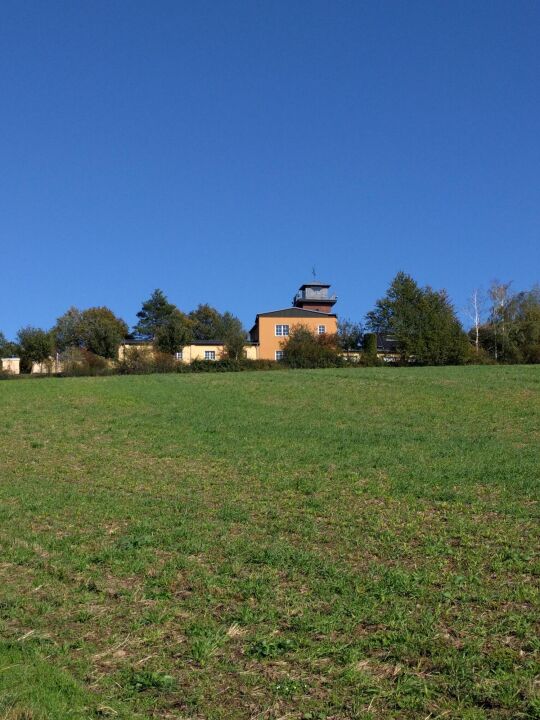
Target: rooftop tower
[{"x": 314, "y": 296}]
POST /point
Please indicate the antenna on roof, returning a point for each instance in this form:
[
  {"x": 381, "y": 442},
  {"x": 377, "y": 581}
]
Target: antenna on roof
[{"x": 313, "y": 272}]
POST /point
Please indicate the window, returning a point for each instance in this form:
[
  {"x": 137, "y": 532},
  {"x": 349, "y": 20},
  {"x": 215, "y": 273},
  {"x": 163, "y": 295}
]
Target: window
[
  {"x": 209, "y": 354},
  {"x": 322, "y": 329},
  {"x": 178, "y": 355},
  {"x": 279, "y": 354},
  {"x": 282, "y": 330}
]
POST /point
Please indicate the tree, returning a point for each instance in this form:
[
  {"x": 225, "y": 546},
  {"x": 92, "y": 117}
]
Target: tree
[
  {"x": 101, "y": 332},
  {"x": 304, "y": 349},
  {"x": 349, "y": 335},
  {"x": 174, "y": 332},
  {"x": 7, "y": 348},
  {"x": 369, "y": 346},
  {"x": 512, "y": 331},
  {"x": 36, "y": 346},
  {"x": 522, "y": 327},
  {"x": 423, "y": 322},
  {"x": 66, "y": 331},
  {"x": 207, "y": 324},
  {"x": 154, "y": 313},
  {"x": 500, "y": 298},
  {"x": 475, "y": 311},
  {"x": 233, "y": 336}
]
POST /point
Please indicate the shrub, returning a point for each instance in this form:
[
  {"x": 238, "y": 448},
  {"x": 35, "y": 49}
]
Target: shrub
[
  {"x": 223, "y": 365},
  {"x": 77, "y": 362},
  {"x": 163, "y": 363},
  {"x": 142, "y": 361},
  {"x": 304, "y": 349},
  {"x": 136, "y": 361}
]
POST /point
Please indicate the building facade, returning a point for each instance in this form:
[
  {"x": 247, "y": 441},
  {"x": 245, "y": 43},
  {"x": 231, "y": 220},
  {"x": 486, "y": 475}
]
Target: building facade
[{"x": 312, "y": 308}]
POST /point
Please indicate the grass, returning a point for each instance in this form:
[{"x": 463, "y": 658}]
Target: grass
[{"x": 306, "y": 545}]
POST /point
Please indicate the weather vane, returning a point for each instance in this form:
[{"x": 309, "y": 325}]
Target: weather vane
[{"x": 313, "y": 272}]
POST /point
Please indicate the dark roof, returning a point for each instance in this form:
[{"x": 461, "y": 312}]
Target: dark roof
[
  {"x": 315, "y": 283},
  {"x": 386, "y": 343},
  {"x": 195, "y": 342},
  {"x": 296, "y": 312}
]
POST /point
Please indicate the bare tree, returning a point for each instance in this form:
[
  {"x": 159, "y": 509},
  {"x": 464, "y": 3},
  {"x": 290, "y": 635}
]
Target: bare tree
[
  {"x": 475, "y": 311},
  {"x": 500, "y": 298}
]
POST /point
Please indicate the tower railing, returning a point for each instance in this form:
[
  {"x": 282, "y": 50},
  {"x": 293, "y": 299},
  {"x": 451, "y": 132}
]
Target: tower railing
[{"x": 310, "y": 295}]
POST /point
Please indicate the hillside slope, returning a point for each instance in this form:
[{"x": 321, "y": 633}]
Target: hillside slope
[{"x": 311, "y": 544}]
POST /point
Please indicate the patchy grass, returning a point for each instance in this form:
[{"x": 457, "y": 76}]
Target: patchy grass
[{"x": 312, "y": 544}]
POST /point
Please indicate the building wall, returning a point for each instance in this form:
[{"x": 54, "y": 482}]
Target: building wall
[
  {"x": 252, "y": 352},
  {"x": 269, "y": 342},
  {"x": 124, "y": 350},
  {"x": 189, "y": 352},
  {"x": 321, "y": 306},
  {"x": 196, "y": 352},
  {"x": 11, "y": 365},
  {"x": 47, "y": 367}
]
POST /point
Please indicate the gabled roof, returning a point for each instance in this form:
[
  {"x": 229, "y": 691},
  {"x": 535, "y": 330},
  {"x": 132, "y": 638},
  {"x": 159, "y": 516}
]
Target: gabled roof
[{"x": 296, "y": 312}]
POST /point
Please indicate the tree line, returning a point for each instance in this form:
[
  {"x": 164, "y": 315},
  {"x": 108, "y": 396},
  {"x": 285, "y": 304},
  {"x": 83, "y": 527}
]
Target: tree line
[
  {"x": 99, "y": 332},
  {"x": 426, "y": 330},
  {"x": 421, "y": 323}
]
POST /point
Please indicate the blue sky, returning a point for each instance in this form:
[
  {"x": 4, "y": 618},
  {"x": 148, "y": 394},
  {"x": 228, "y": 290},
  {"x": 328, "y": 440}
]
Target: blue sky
[{"x": 220, "y": 150}]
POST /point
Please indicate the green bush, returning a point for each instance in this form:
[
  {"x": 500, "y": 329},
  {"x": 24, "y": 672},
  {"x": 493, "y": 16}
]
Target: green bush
[
  {"x": 228, "y": 365},
  {"x": 304, "y": 349}
]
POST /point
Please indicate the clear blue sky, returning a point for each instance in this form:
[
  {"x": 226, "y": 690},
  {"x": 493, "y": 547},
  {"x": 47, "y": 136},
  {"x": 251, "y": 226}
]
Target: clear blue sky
[{"x": 219, "y": 150}]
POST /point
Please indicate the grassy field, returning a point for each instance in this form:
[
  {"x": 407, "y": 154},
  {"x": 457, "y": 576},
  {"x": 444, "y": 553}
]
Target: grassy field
[{"x": 311, "y": 544}]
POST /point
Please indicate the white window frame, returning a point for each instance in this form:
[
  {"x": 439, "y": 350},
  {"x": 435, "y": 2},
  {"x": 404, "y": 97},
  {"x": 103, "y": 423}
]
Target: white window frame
[
  {"x": 209, "y": 354},
  {"x": 321, "y": 330},
  {"x": 179, "y": 355},
  {"x": 282, "y": 330},
  {"x": 279, "y": 355}
]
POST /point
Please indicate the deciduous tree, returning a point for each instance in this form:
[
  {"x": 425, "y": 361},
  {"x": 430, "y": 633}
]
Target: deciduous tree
[
  {"x": 304, "y": 349},
  {"x": 475, "y": 311},
  {"x": 101, "y": 332},
  {"x": 349, "y": 335},
  {"x": 499, "y": 294},
  {"x": 36, "y": 345},
  {"x": 66, "y": 331},
  {"x": 233, "y": 336},
  {"x": 7, "y": 348}
]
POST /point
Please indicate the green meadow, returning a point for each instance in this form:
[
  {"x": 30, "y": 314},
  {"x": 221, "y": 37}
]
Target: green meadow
[{"x": 309, "y": 545}]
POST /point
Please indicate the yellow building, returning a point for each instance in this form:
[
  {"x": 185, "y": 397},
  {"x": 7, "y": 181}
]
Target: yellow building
[
  {"x": 196, "y": 351},
  {"x": 312, "y": 306},
  {"x": 11, "y": 365}
]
